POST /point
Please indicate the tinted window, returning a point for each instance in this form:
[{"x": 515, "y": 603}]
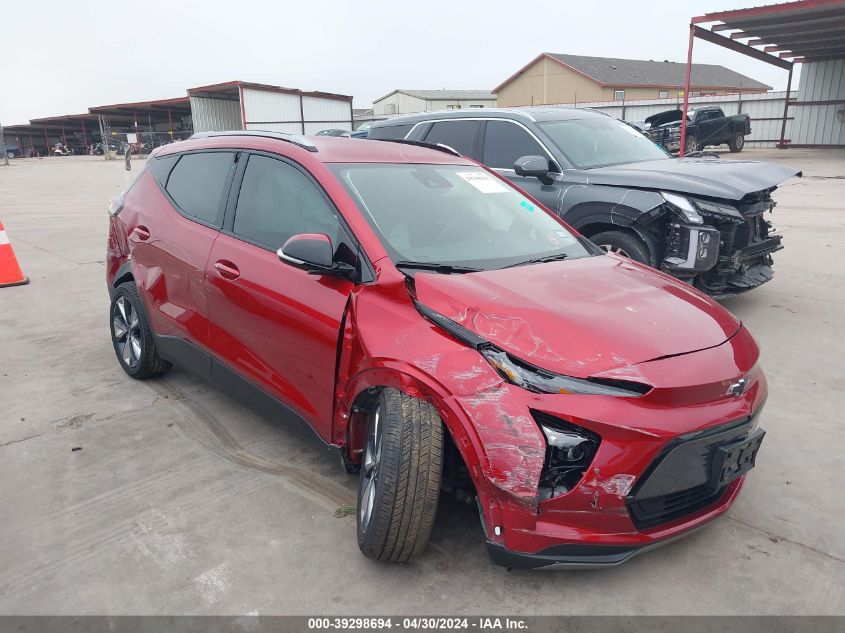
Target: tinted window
[
  {"x": 504, "y": 142},
  {"x": 390, "y": 131},
  {"x": 459, "y": 135},
  {"x": 276, "y": 201},
  {"x": 197, "y": 183},
  {"x": 160, "y": 167}
]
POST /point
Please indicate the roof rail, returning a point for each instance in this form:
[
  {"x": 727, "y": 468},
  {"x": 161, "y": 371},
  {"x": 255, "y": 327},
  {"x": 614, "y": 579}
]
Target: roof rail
[
  {"x": 438, "y": 146},
  {"x": 295, "y": 139}
]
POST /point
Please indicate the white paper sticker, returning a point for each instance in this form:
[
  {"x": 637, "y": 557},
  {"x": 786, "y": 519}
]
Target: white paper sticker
[{"x": 483, "y": 182}]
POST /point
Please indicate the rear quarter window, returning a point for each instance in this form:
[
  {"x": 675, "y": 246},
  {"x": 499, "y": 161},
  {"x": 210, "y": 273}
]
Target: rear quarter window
[
  {"x": 390, "y": 131},
  {"x": 197, "y": 184}
]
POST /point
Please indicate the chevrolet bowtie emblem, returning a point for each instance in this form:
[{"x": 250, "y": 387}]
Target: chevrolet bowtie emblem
[{"x": 738, "y": 388}]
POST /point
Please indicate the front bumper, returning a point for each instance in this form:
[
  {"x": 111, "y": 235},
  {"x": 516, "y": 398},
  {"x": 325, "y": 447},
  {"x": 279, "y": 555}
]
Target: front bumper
[
  {"x": 575, "y": 556},
  {"x": 624, "y": 504}
]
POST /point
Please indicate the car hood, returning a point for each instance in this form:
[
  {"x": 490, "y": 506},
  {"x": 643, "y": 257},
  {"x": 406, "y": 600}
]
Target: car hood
[
  {"x": 710, "y": 177},
  {"x": 580, "y": 317}
]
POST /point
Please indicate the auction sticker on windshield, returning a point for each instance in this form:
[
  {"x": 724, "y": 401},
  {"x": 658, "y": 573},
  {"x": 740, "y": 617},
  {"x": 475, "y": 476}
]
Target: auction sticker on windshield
[{"x": 483, "y": 182}]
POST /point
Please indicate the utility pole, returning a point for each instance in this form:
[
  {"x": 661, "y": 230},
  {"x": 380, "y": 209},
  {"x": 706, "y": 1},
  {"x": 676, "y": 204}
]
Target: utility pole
[{"x": 3, "y": 146}]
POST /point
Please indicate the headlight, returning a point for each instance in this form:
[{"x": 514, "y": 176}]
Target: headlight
[
  {"x": 683, "y": 207},
  {"x": 542, "y": 381},
  {"x": 570, "y": 450},
  {"x": 527, "y": 376}
]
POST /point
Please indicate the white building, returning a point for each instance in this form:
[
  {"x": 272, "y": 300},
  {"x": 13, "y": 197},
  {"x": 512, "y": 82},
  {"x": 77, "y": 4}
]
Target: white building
[{"x": 412, "y": 101}]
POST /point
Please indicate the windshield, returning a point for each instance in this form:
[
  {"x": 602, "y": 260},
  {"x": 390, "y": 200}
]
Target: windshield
[
  {"x": 454, "y": 215},
  {"x": 601, "y": 141}
]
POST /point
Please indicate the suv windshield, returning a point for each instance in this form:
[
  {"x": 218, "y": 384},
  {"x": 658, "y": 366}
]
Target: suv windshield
[
  {"x": 601, "y": 141},
  {"x": 457, "y": 216}
]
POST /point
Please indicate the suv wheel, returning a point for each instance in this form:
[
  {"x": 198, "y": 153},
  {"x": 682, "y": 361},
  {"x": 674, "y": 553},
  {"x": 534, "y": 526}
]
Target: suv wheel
[
  {"x": 625, "y": 244},
  {"x": 400, "y": 477},
  {"x": 737, "y": 142},
  {"x": 131, "y": 335}
]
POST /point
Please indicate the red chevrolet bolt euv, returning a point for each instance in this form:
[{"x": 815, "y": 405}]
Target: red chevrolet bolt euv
[{"x": 441, "y": 330}]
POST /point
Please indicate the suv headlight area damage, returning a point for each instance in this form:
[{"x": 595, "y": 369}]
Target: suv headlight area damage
[
  {"x": 572, "y": 462},
  {"x": 722, "y": 248}
]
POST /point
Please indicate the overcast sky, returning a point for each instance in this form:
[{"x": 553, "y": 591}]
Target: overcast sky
[{"x": 60, "y": 57}]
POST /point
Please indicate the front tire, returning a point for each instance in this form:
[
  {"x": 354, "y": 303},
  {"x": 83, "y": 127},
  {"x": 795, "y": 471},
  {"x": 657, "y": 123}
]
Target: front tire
[
  {"x": 737, "y": 142},
  {"x": 131, "y": 336},
  {"x": 625, "y": 244},
  {"x": 691, "y": 144},
  {"x": 400, "y": 478}
]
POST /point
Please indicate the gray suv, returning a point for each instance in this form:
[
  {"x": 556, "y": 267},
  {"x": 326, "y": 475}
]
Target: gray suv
[{"x": 699, "y": 218}]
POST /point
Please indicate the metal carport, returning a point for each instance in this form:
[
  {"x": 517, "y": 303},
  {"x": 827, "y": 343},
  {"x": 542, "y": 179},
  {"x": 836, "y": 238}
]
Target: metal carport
[{"x": 809, "y": 32}]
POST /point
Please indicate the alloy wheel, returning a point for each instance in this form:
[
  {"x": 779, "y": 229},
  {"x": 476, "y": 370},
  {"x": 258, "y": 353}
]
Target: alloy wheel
[
  {"x": 126, "y": 329},
  {"x": 370, "y": 471}
]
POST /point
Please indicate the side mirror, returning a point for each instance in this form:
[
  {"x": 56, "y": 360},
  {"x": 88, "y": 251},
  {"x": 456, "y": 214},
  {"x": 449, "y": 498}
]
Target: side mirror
[
  {"x": 314, "y": 252},
  {"x": 311, "y": 250},
  {"x": 536, "y": 166}
]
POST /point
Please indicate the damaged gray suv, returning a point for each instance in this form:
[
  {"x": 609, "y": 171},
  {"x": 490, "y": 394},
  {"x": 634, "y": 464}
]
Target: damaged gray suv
[{"x": 699, "y": 218}]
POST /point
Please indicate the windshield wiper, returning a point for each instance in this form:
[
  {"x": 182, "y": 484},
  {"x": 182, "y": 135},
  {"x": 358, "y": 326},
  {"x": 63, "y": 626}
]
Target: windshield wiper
[
  {"x": 435, "y": 267},
  {"x": 540, "y": 260}
]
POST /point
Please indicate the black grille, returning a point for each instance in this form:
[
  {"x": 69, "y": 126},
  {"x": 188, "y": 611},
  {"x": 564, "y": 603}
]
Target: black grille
[
  {"x": 650, "y": 512},
  {"x": 677, "y": 482}
]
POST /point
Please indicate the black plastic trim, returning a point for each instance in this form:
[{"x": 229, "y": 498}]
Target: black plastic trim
[{"x": 574, "y": 555}]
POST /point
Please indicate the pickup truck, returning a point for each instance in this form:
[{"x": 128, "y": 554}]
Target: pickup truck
[
  {"x": 704, "y": 220},
  {"x": 705, "y": 126}
]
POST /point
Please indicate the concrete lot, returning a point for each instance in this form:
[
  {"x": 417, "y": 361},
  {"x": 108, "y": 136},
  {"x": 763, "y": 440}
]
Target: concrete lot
[{"x": 182, "y": 501}]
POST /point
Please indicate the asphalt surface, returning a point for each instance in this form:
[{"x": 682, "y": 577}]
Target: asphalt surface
[{"x": 126, "y": 497}]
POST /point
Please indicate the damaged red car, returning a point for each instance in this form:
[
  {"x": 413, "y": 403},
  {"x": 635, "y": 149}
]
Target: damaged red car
[{"x": 442, "y": 331}]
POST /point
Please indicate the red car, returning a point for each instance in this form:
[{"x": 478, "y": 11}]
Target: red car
[{"x": 441, "y": 330}]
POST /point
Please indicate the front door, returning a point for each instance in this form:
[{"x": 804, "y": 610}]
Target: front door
[
  {"x": 506, "y": 141},
  {"x": 273, "y": 324}
]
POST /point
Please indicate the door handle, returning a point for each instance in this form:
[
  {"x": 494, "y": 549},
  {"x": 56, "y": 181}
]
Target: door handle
[
  {"x": 227, "y": 269},
  {"x": 142, "y": 232}
]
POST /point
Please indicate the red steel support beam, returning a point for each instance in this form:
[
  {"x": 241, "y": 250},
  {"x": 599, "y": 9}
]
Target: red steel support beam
[
  {"x": 170, "y": 125},
  {"x": 64, "y": 136},
  {"x": 46, "y": 141},
  {"x": 84, "y": 137},
  {"x": 781, "y": 144},
  {"x": 687, "y": 78}
]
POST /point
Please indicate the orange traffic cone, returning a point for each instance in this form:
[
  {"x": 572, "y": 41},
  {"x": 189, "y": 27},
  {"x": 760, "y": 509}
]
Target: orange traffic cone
[{"x": 10, "y": 272}]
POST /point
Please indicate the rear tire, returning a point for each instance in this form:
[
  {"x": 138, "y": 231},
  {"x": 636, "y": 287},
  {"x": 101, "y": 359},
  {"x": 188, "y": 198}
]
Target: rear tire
[
  {"x": 400, "y": 478},
  {"x": 131, "y": 335},
  {"x": 625, "y": 244},
  {"x": 737, "y": 142}
]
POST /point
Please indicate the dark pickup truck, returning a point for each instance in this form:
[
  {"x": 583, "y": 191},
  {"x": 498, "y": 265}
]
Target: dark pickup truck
[
  {"x": 705, "y": 126},
  {"x": 703, "y": 220}
]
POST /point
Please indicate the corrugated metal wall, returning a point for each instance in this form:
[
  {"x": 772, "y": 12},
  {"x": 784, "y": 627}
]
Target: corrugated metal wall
[
  {"x": 820, "y": 124},
  {"x": 283, "y": 112},
  {"x": 765, "y": 110},
  {"x": 215, "y": 115}
]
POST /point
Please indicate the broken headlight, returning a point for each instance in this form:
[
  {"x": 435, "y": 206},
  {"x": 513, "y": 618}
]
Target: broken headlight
[
  {"x": 570, "y": 450},
  {"x": 683, "y": 206},
  {"x": 527, "y": 376},
  {"x": 542, "y": 381}
]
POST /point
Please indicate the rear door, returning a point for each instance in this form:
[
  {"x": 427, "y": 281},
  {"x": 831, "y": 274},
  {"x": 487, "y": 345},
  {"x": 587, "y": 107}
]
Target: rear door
[
  {"x": 274, "y": 325},
  {"x": 175, "y": 218}
]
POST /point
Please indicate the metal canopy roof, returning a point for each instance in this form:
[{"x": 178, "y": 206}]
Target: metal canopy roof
[{"x": 808, "y": 30}]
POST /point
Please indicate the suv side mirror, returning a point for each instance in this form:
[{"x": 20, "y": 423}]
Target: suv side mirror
[
  {"x": 312, "y": 250},
  {"x": 536, "y": 166},
  {"x": 314, "y": 253}
]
